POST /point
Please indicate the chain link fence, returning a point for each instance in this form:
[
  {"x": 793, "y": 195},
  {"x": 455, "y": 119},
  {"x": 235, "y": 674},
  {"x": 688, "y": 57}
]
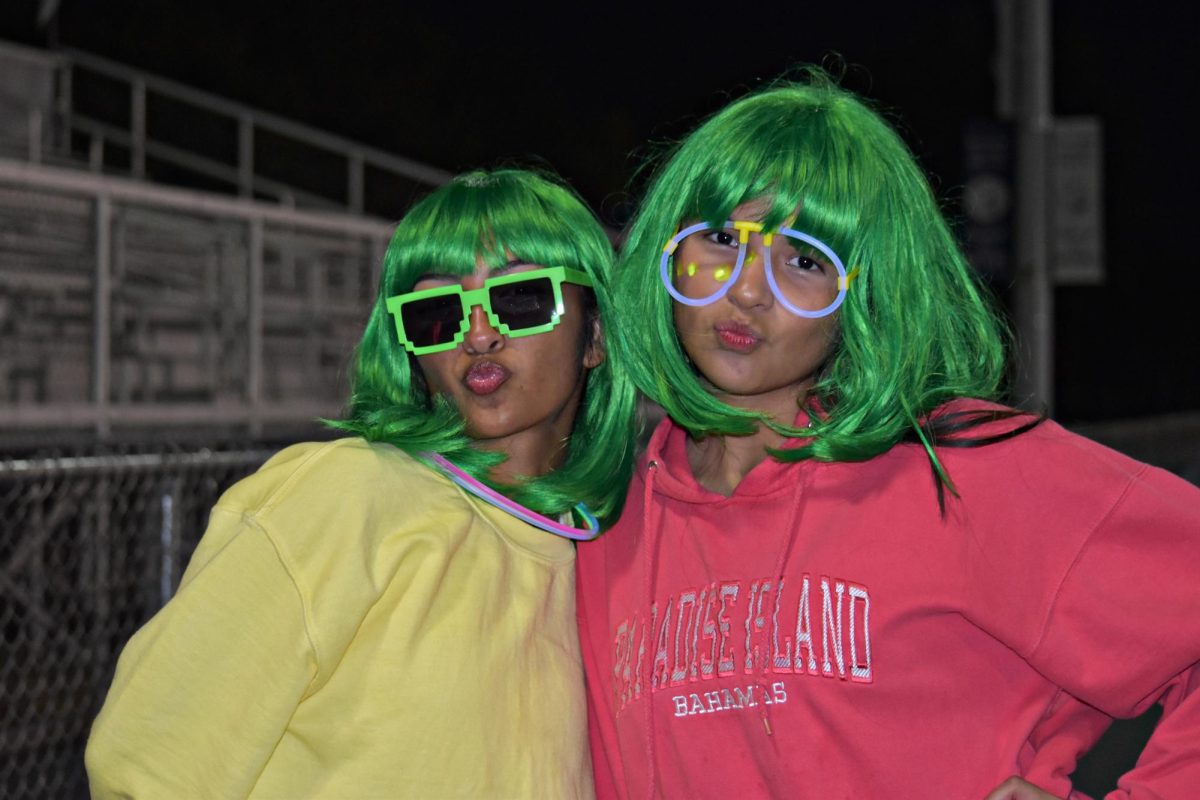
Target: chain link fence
[{"x": 90, "y": 547}]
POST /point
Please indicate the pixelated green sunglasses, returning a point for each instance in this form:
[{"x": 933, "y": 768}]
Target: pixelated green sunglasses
[{"x": 518, "y": 304}]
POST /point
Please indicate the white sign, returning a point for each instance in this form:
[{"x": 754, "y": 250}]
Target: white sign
[{"x": 1077, "y": 201}]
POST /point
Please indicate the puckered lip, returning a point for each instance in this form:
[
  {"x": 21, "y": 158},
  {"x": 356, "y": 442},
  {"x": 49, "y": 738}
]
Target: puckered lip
[
  {"x": 738, "y": 335},
  {"x": 485, "y": 376}
]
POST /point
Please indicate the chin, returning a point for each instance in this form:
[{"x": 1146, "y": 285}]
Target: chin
[
  {"x": 724, "y": 383},
  {"x": 488, "y": 430},
  {"x": 495, "y": 425}
]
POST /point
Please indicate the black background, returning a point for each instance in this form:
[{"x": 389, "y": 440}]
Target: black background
[{"x": 591, "y": 92}]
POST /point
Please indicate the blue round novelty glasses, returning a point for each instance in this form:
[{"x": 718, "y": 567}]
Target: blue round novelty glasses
[{"x": 701, "y": 263}]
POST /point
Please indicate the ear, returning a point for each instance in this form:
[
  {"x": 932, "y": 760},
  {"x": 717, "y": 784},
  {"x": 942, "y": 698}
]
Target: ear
[{"x": 593, "y": 353}]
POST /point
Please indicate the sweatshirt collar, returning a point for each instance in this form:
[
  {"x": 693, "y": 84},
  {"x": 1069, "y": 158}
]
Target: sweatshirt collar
[{"x": 668, "y": 448}]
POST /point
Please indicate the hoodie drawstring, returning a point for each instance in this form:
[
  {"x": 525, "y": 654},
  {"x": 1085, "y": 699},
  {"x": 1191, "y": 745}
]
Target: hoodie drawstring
[
  {"x": 650, "y": 551},
  {"x": 776, "y": 575},
  {"x": 652, "y": 538}
]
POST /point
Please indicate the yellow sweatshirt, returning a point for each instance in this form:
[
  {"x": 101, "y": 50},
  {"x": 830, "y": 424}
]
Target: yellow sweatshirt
[{"x": 353, "y": 625}]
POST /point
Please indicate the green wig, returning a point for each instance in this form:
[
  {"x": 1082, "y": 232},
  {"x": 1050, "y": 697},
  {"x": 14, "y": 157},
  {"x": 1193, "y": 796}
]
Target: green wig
[
  {"x": 494, "y": 216},
  {"x": 916, "y": 329}
]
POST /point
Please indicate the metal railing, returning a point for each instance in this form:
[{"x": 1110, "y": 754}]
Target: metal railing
[
  {"x": 112, "y": 118},
  {"x": 91, "y": 546},
  {"x": 125, "y": 304}
]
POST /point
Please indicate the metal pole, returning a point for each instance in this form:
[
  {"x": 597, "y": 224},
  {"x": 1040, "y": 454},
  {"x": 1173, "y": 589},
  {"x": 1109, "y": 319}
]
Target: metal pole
[
  {"x": 35, "y": 136},
  {"x": 62, "y": 102},
  {"x": 245, "y": 155},
  {"x": 96, "y": 153},
  {"x": 137, "y": 127},
  {"x": 255, "y": 321},
  {"x": 354, "y": 188},
  {"x": 378, "y": 251},
  {"x": 1034, "y": 289},
  {"x": 101, "y": 354}
]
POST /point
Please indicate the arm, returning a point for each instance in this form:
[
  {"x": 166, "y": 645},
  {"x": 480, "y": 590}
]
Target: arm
[
  {"x": 601, "y": 716},
  {"x": 204, "y": 691},
  {"x": 1123, "y": 632},
  {"x": 1017, "y": 789},
  {"x": 1170, "y": 764}
]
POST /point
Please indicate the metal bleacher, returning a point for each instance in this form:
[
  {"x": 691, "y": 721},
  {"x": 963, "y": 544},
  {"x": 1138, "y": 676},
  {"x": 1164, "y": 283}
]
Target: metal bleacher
[
  {"x": 174, "y": 306},
  {"x": 132, "y": 300}
]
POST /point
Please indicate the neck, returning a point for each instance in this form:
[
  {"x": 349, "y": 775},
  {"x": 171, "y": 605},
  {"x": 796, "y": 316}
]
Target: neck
[
  {"x": 532, "y": 455},
  {"x": 538, "y": 450},
  {"x": 720, "y": 463}
]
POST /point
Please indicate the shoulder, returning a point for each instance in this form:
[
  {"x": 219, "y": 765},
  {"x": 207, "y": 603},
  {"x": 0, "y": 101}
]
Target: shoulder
[
  {"x": 347, "y": 514},
  {"x": 1053, "y": 472},
  {"x": 1021, "y": 438},
  {"x": 321, "y": 496},
  {"x": 344, "y": 471}
]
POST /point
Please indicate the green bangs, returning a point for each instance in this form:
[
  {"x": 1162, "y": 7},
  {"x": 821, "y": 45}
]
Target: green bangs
[
  {"x": 821, "y": 154},
  {"x": 495, "y": 217},
  {"x": 498, "y": 216}
]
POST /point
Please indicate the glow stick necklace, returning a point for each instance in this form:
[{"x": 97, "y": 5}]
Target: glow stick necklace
[{"x": 519, "y": 511}]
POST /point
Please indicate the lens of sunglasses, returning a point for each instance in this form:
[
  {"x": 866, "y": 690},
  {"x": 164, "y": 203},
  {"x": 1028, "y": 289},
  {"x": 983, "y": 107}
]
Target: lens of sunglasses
[
  {"x": 524, "y": 304},
  {"x": 432, "y": 320},
  {"x": 704, "y": 262},
  {"x": 805, "y": 276}
]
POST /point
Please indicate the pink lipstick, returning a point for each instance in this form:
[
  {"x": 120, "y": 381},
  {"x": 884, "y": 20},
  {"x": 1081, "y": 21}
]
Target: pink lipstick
[{"x": 485, "y": 377}]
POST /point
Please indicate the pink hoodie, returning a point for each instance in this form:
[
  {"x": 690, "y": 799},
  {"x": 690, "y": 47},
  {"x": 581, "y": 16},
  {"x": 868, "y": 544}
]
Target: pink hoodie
[{"x": 825, "y": 633}]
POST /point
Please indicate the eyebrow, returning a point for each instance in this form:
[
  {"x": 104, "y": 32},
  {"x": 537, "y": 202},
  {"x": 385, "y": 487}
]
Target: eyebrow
[
  {"x": 500, "y": 270},
  {"x": 510, "y": 266}
]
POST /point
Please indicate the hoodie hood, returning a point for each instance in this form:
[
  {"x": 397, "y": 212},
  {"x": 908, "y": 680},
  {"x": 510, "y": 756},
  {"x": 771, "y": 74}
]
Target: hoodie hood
[{"x": 667, "y": 455}]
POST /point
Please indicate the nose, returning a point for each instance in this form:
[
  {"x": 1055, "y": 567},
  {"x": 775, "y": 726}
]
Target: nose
[
  {"x": 481, "y": 336},
  {"x": 751, "y": 289}
]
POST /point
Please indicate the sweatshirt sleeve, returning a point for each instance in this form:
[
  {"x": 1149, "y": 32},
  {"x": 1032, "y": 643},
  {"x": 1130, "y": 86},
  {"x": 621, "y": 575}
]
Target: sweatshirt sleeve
[
  {"x": 1123, "y": 631},
  {"x": 204, "y": 691}
]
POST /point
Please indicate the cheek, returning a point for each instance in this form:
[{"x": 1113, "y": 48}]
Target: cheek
[
  {"x": 434, "y": 369},
  {"x": 687, "y": 318},
  {"x": 566, "y": 347},
  {"x": 831, "y": 330},
  {"x": 691, "y": 324},
  {"x": 819, "y": 341}
]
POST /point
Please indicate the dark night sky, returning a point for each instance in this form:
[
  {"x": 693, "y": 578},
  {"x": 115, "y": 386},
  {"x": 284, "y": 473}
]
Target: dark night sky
[{"x": 584, "y": 92}]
